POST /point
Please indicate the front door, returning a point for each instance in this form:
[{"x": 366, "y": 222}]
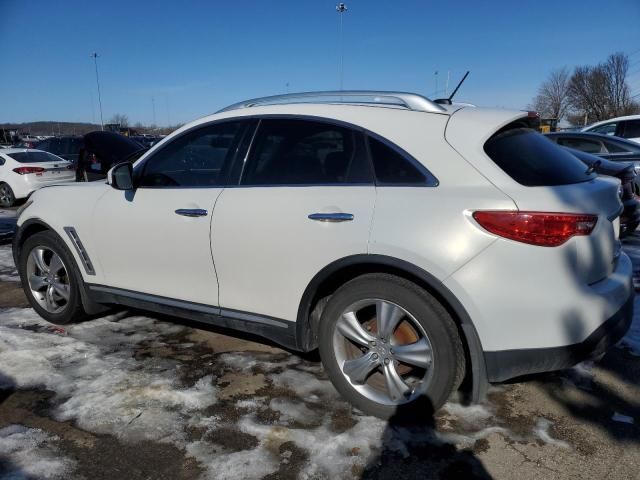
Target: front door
[{"x": 156, "y": 239}]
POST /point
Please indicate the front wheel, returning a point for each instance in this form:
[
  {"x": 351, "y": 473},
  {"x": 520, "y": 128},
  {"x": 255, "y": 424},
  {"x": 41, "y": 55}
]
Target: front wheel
[
  {"x": 389, "y": 346},
  {"x": 50, "y": 279},
  {"x": 7, "y": 197}
]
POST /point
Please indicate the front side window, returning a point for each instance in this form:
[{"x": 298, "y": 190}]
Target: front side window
[
  {"x": 196, "y": 159},
  {"x": 303, "y": 152},
  {"x": 582, "y": 144}
]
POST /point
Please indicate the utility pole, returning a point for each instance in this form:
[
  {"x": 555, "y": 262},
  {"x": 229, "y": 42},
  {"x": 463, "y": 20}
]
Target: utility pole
[
  {"x": 94, "y": 55},
  {"x": 341, "y": 8},
  {"x": 153, "y": 105},
  {"x": 436, "y": 77}
]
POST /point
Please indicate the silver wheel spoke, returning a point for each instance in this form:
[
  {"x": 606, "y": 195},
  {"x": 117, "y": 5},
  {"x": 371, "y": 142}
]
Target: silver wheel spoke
[
  {"x": 388, "y": 316},
  {"x": 359, "y": 369},
  {"x": 398, "y": 390},
  {"x": 55, "y": 265},
  {"x": 417, "y": 354},
  {"x": 38, "y": 258},
  {"x": 37, "y": 283},
  {"x": 61, "y": 289},
  {"x": 349, "y": 326},
  {"x": 48, "y": 297}
]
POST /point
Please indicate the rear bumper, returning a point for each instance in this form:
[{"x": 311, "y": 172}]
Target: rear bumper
[{"x": 506, "y": 364}]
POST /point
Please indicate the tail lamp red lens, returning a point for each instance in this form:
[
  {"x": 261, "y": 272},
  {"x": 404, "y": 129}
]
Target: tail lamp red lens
[
  {"x": 545, "y": 229},
  {"x": 26, "y": 170}
]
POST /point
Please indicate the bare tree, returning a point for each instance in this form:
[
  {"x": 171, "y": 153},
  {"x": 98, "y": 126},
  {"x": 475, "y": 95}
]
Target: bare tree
[
  {"x": 552, "y": 100},
  {"x": 120, "y": 119},
  {"x": 601, "y": 92}
]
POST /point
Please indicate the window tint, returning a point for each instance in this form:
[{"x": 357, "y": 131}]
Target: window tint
[
  {"x": 533, "y": 160},
  {"x": 34, "y": 157},
  {"x": 614, "y": 147},
  {"x": 631, "y": 129},
  {"x": 392, "y": 167},
  {"x": 301, "y": 152},
  {"x": 582, "y": 144},
  {"x": 606, "y": 129},
  {"x": 198, "y": 158}
]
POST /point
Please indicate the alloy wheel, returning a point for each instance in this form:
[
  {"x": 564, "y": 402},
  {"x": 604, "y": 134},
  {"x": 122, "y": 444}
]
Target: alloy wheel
[
  {"x": 383, "y": 352},
  {"x": 6, "y": 195},
  {"x": 48, "y": 279}
]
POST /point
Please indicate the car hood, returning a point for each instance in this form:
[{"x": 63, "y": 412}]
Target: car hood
[{"x": 111, "y": 146}]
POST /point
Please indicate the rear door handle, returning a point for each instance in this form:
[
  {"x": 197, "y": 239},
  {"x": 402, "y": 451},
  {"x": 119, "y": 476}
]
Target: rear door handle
[
  {"x": 192, "y": 212},
  {"x": 331, "y": 217}
]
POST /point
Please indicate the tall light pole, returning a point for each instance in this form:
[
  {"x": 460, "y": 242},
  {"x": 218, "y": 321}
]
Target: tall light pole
[
  {"x": 94, "y": 55},
  {"x": 341, "y": 8}
]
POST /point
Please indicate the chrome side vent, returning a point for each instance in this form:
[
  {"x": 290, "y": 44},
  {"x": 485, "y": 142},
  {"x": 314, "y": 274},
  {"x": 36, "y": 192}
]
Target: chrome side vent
[{"x": 82, "y": 253}]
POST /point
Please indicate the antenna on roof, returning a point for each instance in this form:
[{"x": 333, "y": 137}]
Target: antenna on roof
[{"x": 447, "y": 101}]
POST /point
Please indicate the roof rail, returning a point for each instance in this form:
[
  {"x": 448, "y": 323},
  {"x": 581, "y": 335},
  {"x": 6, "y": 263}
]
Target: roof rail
[{"x": 410, "y": 101}]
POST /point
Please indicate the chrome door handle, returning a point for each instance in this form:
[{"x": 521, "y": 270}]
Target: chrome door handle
[
  {"x": 331, "y": 217},
  {"x": 192, "y": 212}
]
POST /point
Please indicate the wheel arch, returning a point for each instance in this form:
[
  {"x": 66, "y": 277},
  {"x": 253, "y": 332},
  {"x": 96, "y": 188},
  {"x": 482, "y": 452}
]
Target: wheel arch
[
  {"x": 331, "y": 277},
  {"x": 36, "y": 225}
]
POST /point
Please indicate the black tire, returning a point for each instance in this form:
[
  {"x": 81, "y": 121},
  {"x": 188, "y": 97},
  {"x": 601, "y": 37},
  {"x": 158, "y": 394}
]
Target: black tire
[
  {"x": 7, "y": 197},
  {"x": 73, "y": 311},
  {"x": 448, "y": 352}
]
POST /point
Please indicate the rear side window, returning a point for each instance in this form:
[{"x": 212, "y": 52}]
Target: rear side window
[
  {"x": 606, "y": 129},
  {"x": 394, "y": 168},
  {"x": 533, "y": 160}
]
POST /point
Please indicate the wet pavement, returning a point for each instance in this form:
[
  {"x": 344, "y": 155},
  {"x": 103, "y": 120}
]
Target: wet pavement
[{"x": 137, "y": 396}]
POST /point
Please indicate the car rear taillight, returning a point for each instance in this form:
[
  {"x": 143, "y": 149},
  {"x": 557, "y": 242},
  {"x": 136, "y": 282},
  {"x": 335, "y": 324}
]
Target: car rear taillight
[
  {"x": 25, "y": 170},
  {"x": 544, "y": 229}
]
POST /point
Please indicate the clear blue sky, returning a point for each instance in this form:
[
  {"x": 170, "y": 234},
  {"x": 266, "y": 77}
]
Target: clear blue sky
[{"x": 193, "y": 57}]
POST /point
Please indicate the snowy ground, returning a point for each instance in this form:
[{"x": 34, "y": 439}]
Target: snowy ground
[{"x": 131, "y": 396}]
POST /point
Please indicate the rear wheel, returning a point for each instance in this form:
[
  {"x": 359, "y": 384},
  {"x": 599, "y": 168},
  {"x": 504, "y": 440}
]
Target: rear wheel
[
  {"x": 388, "y": 346},
  {"x": 7, "y": 198},
  {"x": 50, "y": 279}
]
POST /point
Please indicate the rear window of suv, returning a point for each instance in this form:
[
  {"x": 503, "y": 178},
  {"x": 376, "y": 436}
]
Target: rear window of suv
[{"x": 533, "y": 160}]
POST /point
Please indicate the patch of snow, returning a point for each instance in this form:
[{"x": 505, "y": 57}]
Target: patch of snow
[
  {"x": 542, "y": 431},
  {"x": 32, "y": 454},
  {"x": 291, "y": 410},
  {"x": 97, "y": 380},
  {"x": 8, "y": 270}
]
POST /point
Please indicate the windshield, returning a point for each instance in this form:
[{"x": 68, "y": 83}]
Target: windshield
[{"x": 35, "y": 157}]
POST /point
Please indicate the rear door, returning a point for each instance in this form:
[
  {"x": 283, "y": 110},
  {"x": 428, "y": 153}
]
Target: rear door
[{"x": 305, "y": 199}]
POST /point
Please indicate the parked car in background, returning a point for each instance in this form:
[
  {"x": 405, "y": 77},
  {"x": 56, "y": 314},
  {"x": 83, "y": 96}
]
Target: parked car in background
[
  {"x": 628, "y": 176},
  {"x": 604, "y": 146},
  {"x": 22, "y": 171},
  {"x": 624, "y": 127},
  {"x": 67, "y": 147},
  {"x": 419, "y": 246},
  {"x": 103, "y": 150}
]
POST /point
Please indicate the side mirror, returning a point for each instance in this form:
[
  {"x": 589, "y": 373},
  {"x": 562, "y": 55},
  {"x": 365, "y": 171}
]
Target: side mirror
[{"x": 120, "y": 176}]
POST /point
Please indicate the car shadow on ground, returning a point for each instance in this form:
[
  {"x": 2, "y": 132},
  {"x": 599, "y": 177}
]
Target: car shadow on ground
[
  {"x": 593, "y": 402},
  {"x": 412, "y": 448}
]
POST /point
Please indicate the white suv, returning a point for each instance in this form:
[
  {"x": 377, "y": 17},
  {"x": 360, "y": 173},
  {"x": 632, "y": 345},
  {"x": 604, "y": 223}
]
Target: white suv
[{"x": 419, "y": 246}]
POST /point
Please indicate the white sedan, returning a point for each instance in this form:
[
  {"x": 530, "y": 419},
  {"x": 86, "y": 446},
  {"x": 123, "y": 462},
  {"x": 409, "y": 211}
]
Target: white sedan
[{"x": 24, "y": 170}]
